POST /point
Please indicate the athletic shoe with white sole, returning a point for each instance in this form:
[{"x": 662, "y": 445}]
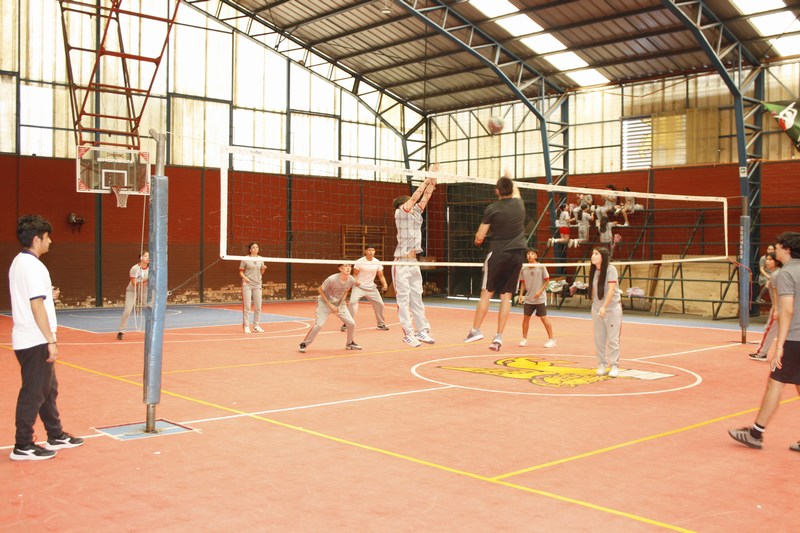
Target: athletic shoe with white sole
[
  {"x": 473, "y": 335},
  {"x": 258, "y": 329},
  {"x": 343, "y": 328},
  {"x": 497, "y": 343},
  {"x": 247, "y": 330},
  {"x": 383, "y": 327},
  {"x": 743, "y": 435},
  {"x": 614, "y": 372},
  {"x": 601, "y": 369},
  {"x": 31, "y": 452},
  {"x": 352, "y": 346},
  {"x": 302, "y": 347},
  {"x": 425, "y": 336},
  {"x": 411, "y": 340},
  {"x": 65, "y": 440},
  {"x": 550, "y": 343},
  {"x": 523, "y": 342},
  {"x": 757, "y": 357}
]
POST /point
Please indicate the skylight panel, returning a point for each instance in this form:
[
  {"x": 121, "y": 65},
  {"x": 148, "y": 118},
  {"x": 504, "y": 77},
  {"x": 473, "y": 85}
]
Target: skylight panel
[
  {"x": 566, "y": 61},
  {"x": 494, "y": 8},
  {"x": 543, "y": 44},
  {"x": 787, "y": 46},
  {"x": 587, "y": 77},
  {"x": 519, "y": 25},
  {"x": 748, "y": 7}
]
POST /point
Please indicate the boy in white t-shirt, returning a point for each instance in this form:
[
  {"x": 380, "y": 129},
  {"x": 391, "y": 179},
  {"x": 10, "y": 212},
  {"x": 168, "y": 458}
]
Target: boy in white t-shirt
[{"x": 365, "y": 270}]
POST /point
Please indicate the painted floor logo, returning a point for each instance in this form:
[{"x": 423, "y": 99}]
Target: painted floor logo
[{"x": 546, "y": 373}]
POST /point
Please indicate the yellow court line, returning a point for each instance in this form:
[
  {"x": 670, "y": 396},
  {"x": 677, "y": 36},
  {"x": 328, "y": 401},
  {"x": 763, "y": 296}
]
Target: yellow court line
[
  {"x": 298, "y": 360},
  {"x": 495, "y": 480},
  {"x": 632, "y": 442}
]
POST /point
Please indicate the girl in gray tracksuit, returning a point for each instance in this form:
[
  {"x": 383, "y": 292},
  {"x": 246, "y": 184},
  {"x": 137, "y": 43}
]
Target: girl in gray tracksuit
[{"x": 606, "y": 311}]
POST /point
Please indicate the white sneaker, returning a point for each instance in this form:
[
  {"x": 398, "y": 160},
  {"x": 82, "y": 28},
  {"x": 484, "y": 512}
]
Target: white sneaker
[
  {"x": 247, "y": 329},
  {"x": 473, "y": 335},
  {"x": 523, "y": 342},
  {"x": 601, "y": 369},
  {"x": 497, "y": 343},
  {"x": 614, "y": 372},
  {"x": 411, "y": 341},
  {"x": 258, "y": 329},
  {"x": 425, "y": 337},
  {"x": 550, "y": 343}
]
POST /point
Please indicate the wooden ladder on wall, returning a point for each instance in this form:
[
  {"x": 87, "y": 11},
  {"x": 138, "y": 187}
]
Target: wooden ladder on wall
[{"x": 356, "y": 238}]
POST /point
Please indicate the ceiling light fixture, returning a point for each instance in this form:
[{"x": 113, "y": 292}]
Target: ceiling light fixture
[{"x": 386, "y": 9}]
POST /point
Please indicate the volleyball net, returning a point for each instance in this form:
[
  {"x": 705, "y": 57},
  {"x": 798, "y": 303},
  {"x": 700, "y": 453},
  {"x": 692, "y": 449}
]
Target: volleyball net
[{"x": 307, "y": 210}]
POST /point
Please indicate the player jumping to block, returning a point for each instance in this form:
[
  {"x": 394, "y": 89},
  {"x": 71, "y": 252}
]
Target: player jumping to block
[
  {"x": 407, "y": 278},
  {"x": 532, "y": 284},
  {"x": 332, "y": 298}
]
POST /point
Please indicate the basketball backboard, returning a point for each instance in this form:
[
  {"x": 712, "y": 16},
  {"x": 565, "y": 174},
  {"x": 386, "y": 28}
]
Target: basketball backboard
[{"x": 99, "y": 169}]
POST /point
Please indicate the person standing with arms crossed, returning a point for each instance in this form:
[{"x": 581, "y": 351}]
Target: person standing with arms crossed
[
  {"x": 365, "y": 270},
  {"x": 506, "y": 219},
  {"x": 407, "y": 278},
  {"x": 136, "y": 291},
  {"x": 785, "y": 359},
  {"x": 532, "y": 284},
  {"x": 251, "y": 271},
  {"x": 33, "y": 338}
]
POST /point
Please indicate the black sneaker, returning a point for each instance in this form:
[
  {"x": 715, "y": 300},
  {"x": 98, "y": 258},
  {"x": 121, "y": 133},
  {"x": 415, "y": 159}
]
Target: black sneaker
[
  {"x": 64, "y": 441},
  {"x": 757, "y": 357},
  {"x": 383, "y": 327},
  {"x": 302, "y": 347},
  {"x": 343, "y": 328},
  {"x": 119, "y": 336},
  {"x": 353, "y": 346},
  {"x": 31, "y": 452}
]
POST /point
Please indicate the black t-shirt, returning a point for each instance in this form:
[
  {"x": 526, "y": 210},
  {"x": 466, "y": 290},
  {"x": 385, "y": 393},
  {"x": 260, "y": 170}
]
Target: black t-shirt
[{"x": 506, "y": 217}]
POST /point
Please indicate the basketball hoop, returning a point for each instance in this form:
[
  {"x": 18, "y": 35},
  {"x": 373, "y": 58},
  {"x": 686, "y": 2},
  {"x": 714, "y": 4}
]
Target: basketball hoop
[{"x": 122, "y": 192}]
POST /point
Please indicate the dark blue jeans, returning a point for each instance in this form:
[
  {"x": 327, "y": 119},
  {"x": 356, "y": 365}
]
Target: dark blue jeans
[{"x": 37, "y": 395}]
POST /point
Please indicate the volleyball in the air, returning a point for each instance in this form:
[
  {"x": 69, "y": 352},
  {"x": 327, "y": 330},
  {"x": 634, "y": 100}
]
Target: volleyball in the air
[{"x": 495, "y": 124}]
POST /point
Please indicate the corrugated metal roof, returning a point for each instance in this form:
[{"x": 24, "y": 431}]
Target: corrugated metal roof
[{"x": 624, "y": 40}]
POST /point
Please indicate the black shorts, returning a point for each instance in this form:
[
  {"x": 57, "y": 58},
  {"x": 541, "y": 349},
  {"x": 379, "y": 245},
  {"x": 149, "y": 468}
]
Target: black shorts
[
  {"x": 790, "y": 371},
  {"x": 540, "y": 309},
  {"x": 501, "y": 271}
]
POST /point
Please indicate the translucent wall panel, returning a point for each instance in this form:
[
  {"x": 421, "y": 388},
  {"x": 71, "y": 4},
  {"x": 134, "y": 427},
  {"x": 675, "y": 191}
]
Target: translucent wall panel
[
  {"x": 8, "y": 35},
  {"x": 259, "y": 77},
  {"x": 8, "y": 113},
  {"x": 42, "y": 46},
  {"x": 314, "y": 136},
  {"x": 199, "y": 129},
  {"x": 259, "y": 129},
  {"x": 310, "y": 92},
  {"x": 201, "y": 60}
]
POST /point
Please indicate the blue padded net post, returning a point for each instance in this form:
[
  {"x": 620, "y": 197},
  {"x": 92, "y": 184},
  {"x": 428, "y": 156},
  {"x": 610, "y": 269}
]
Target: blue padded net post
[{"x": 156, "y": 311}]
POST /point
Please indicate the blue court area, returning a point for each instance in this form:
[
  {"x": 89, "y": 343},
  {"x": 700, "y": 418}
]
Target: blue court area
[{"x": 106, "y": 319}]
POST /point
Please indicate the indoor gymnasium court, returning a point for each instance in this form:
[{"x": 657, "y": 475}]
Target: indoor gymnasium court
[{"x": 162, "y": 141}]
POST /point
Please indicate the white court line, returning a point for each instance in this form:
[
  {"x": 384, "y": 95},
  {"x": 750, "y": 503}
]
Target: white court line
[
  {"x": 299, "y": 407},
  {"x": 680, "y": 353}
]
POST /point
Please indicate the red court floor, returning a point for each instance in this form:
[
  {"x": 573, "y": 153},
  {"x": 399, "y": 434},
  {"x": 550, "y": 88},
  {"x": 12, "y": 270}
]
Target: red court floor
[{"x": 444, "y": 437}]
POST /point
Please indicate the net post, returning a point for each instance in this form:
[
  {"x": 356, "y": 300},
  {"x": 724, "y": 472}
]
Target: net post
[
  {"x": 744, "y": 277},
  {"x": 156, "y": 312}
]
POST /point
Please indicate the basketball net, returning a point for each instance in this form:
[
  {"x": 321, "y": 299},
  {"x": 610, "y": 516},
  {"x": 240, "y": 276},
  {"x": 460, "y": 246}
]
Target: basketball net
[{"x": 122, "y": 192}]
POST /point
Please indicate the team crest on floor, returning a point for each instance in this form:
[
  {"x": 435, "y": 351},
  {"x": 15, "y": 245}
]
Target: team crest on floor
[{"x": 552, "y": 373}]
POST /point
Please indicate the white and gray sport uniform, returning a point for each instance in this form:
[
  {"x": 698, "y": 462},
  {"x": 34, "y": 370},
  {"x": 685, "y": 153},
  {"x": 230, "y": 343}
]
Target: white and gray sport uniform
[
  {"x": 534, "y": 278},
  {"x": 335, "y": 290},
  {"x": 771, "y": 330},
  {"x": 787, "y": 283},
  {"x": 251, "y": 290},
  {"x": 583, "y": 226},
  {"x": 563, "y": 219},
  {"x": 134, "y": 293},
  {"x": 607, "y": 236},
  {"x": 407, "y": 279},
  {"x": 606, "y": 329},
  {"x": 366, "y": 288}
]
